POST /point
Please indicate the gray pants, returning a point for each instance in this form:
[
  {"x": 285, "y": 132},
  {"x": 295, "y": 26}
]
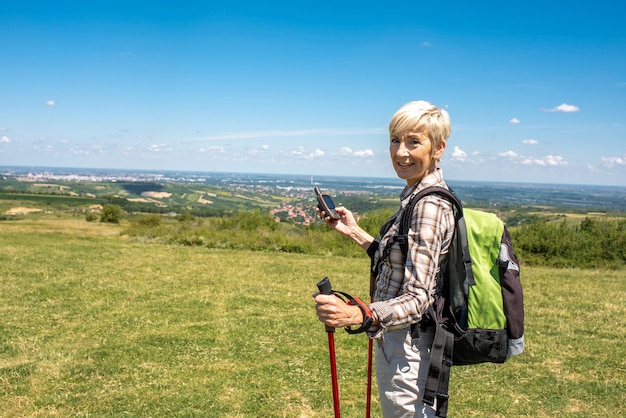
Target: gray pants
[{"x": 401, "y": 371}]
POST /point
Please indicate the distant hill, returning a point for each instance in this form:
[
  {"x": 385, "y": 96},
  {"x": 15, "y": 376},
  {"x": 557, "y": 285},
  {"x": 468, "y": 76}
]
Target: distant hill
[{"x": 237, "y": 191}]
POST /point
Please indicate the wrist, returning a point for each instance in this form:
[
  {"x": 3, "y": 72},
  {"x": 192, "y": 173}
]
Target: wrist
[
  {"x": 356, "y": 315},
  {"x": 361, "y": 237},
  {"x": 359, "y": 315},
  {"x": 362, "y": 316}
]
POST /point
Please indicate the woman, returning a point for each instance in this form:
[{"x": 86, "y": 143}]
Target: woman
[{"x": 418, "y": 132}]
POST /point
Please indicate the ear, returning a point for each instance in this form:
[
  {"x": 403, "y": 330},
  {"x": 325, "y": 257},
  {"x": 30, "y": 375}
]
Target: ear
[{"x": 439, "y": 151}]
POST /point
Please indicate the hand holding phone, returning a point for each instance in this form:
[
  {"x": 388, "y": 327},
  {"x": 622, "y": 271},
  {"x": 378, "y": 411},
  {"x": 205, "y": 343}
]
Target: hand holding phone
[{"x": 326, "y": 205}]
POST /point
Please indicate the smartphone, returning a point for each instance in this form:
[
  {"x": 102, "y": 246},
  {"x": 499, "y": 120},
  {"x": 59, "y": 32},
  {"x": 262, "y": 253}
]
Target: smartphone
[{"x": 325, "y": 203}]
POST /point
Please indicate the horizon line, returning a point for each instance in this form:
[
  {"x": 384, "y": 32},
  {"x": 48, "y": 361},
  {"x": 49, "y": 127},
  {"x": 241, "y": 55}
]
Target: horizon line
[{"x": 391, "y": 178}]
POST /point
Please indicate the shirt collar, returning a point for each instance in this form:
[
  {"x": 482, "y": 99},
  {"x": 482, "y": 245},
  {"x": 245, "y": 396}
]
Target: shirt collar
[{"x": 432, "y": 179}]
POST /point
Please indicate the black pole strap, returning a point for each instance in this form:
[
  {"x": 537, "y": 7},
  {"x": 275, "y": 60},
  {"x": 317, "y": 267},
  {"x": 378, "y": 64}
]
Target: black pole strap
[{"x": 365, "y": 310}]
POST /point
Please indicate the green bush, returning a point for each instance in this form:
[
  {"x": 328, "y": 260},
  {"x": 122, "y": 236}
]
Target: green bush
[
  {"x": 148, "y": 220},
  {"x": 594, "y": 243},
  {"x": 250, "y": 230},
  {"x": 186, "y": 217},
  {"x": 248, "y": 221},
  {"x": 111, "y": 214}
]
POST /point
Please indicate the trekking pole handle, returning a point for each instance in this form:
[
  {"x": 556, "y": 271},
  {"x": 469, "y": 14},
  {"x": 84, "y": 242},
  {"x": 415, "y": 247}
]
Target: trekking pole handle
[{"x": 326, "y": 289}]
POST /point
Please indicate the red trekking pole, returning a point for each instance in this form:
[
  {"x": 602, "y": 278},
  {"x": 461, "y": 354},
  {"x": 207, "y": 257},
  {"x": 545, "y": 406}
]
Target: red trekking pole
[
  {"x": 325, "y": 289},
  {"x": 368, "y": 403},
  {"x": 370, "y": 346}
]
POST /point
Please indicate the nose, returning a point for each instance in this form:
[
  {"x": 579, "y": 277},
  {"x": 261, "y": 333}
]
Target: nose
[{"x": 402, "y": 149}]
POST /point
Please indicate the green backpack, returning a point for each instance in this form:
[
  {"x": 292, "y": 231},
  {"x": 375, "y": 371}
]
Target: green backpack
[{"x": 479, "y": 307}]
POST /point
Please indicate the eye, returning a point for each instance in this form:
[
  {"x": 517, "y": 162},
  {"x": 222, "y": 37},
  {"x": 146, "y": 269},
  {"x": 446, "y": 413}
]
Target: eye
[
  {"x": 394, "y": 140},
  {"x": 414, "y": 140}
]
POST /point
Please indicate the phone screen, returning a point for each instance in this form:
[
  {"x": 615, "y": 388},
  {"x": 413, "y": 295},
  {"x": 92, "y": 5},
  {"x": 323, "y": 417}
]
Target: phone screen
[{"x": 329, "y": 202}]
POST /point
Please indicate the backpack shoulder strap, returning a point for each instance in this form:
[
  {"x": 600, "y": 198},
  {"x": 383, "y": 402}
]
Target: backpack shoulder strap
[
  {"x": 401, "y": 235},
  {"x": 405, "y": 224},
  {"x": 407, "y": 213}
]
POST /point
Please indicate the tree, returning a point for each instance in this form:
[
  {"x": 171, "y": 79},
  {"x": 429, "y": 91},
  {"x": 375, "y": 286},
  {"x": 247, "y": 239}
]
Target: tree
[{"x": 111, "y": 214}]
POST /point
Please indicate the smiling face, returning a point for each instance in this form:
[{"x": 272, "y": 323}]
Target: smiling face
[
  {"x": 418, "y": 132},
  {"x": 413, "y": 156}
]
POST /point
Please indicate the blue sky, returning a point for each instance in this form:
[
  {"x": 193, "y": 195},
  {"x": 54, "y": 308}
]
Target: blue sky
[{"x": 536, "y": 90}]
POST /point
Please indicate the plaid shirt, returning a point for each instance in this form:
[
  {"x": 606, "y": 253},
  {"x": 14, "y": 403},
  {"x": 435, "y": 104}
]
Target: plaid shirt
[{"x": 405, "y": 291}]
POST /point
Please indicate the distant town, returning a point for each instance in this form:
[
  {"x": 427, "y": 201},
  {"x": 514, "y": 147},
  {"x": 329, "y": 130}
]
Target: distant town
[
  {"x": 78, "y": 175},
  {"x": 288, "y": 198}
]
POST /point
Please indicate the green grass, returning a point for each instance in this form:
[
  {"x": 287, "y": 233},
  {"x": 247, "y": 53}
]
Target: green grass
[{"x": 94, "y": 325}]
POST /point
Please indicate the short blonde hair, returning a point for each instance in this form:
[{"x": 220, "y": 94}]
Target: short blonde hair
[{"x": 418, "y": 115}]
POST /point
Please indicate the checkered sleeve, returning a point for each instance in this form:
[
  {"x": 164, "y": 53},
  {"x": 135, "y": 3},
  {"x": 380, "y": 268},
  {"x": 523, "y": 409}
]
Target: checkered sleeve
[{"x": 413, "y": 284}]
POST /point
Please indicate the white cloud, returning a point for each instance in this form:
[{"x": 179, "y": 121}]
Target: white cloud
[
  {"x": 212, "y": 149},
  {"x": 515, "y": 121},
  {"x": 566, "y": 108},
  {"x": 5, "y": 139},
  {"x": 98, "y": 148},
  {"x": 613, "y": 161},
  {"x": 159, "y": 148},
  {"x": 512, "y": 157},
  {"x": 530, "y": 141},
  {"x": 297, "y": 152},
  {"x": 78, "y": 151},
  {"x": 548, "y": 160},
  {"x": 508, "y": 154},
  {"x": 317, "y": 153},
  {"x": 555, "y": 160},
  {"x": 347, "y": 151},
  {"x": 43, "y": 147},
  {"x": 532, "y": 161},
  {"x": 459, "y": 154},
  {"x": 51, "y": 103},
  {"x": 293, "y": 133},
  {"x": 262, "y": 150},
  {"x": 364, "y": 153}
]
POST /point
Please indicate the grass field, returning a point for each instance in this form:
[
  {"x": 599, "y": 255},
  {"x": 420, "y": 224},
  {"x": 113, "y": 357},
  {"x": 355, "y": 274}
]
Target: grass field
[{"x": 93, "y": 325}]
